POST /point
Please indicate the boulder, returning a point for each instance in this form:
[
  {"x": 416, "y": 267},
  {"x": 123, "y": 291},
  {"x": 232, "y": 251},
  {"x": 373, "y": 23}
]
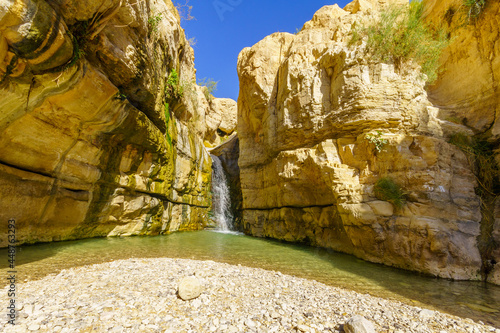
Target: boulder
[
  {"x": 472, "y": 97},
  {"x": 189, "y": 288}
]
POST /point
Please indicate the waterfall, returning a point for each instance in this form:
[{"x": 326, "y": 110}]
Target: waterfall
[{"x": 221, "y": 200}]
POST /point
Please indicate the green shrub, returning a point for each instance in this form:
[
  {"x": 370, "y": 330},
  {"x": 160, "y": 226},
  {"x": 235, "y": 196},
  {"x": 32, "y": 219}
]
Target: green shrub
[
  {"x": 210, "y": 85},
  {"x": 357, "y": 33},
  {"x": 474, "y": 8},
  {"x": 153, "y": 22},
  {"x": 78, "y": 53},
  {"x": 167, "y": 113},
  {"x": 79, "y": 32},
  {"x": 386, "y": 189},
  {"x": 173, "y": 89},
  {"x": 460, "y": 140},
  {"x": 168, "y": 137},
  {"x": 377, "y": 140},
  {"x": 454, "y": 119},
  {"x": 120, "y": 95},
  {"x": 400, "y": 35},
  {"x": 481, "y": 159}
]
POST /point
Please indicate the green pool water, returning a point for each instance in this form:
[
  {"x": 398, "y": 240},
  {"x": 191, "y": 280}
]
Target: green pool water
[{"x": 475, "y": 300}]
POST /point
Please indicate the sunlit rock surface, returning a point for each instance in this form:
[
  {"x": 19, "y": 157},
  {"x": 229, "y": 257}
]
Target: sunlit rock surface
[{"x": 221, "y": 120}]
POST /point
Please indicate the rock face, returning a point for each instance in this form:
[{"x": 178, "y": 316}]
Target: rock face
[
  {"x": 91, "y": 142},
  {"x": 311, "y": 112},
  {"x": 221, "y": 120},
  {"x": 471, "y": 97},
  {"x": 472, "y": 100}
]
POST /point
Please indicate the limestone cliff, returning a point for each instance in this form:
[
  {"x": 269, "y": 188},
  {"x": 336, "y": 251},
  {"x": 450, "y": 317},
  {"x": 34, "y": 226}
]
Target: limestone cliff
[
  {"x": 101, "y": 121},
  {"x": 320, "y": 124}
]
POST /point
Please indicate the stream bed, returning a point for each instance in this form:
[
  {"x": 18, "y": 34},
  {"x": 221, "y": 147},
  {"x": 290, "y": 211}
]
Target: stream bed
[{"x": 475, "y": 300}]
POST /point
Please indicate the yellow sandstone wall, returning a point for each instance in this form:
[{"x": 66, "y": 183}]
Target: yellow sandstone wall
[
  {"x": 308, "y": 105},
  {"x": 90, "y": 142}
]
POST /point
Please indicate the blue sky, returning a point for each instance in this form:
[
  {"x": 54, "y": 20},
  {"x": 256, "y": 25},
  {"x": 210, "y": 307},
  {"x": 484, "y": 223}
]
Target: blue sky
[{"x": 222, "y": 28}]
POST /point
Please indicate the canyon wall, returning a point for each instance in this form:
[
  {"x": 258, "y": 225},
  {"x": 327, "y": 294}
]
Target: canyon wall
[
  {"x": 102, "y": 123},
  {"x": 320, "y": 124},
  {"x": 467, "y": 92}
]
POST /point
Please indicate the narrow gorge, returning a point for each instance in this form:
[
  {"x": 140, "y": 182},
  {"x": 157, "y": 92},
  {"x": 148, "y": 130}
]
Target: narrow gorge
[{"x": 105, "y": 132}]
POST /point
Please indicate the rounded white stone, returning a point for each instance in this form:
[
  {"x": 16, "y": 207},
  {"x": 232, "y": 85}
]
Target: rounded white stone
[{"x": 189, "y": 288}]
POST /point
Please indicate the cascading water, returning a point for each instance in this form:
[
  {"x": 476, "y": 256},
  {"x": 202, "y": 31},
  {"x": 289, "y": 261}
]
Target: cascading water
[{"x": 221, "y": 200}]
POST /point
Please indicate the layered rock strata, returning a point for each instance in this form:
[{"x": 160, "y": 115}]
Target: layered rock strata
[
  {"x": 320, "y": 124},
  {"x": 91, "y": 141}
]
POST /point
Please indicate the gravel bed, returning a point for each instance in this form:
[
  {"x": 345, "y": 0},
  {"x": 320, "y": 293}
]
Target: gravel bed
[{"x": 140, "y": 295}]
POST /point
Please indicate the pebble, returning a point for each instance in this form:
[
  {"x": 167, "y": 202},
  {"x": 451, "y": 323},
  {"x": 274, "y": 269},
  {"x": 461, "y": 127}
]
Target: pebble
[
  {"x": 303, "y": 328},
  {"x": 425, "y": 313},
  {"x": 250, "y": 323},
  {"x": 140, "y": 295},
  {"x": 359, "y": 324}
]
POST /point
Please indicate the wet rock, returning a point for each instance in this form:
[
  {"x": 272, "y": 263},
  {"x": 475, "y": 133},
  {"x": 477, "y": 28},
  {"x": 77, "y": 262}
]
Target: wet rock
[
  {"x": 34, "y": 327},
  {"x": 63, "y": 110}
]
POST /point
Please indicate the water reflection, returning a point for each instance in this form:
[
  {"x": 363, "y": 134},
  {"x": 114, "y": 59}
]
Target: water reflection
[{"x": 474, "y": 300}]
